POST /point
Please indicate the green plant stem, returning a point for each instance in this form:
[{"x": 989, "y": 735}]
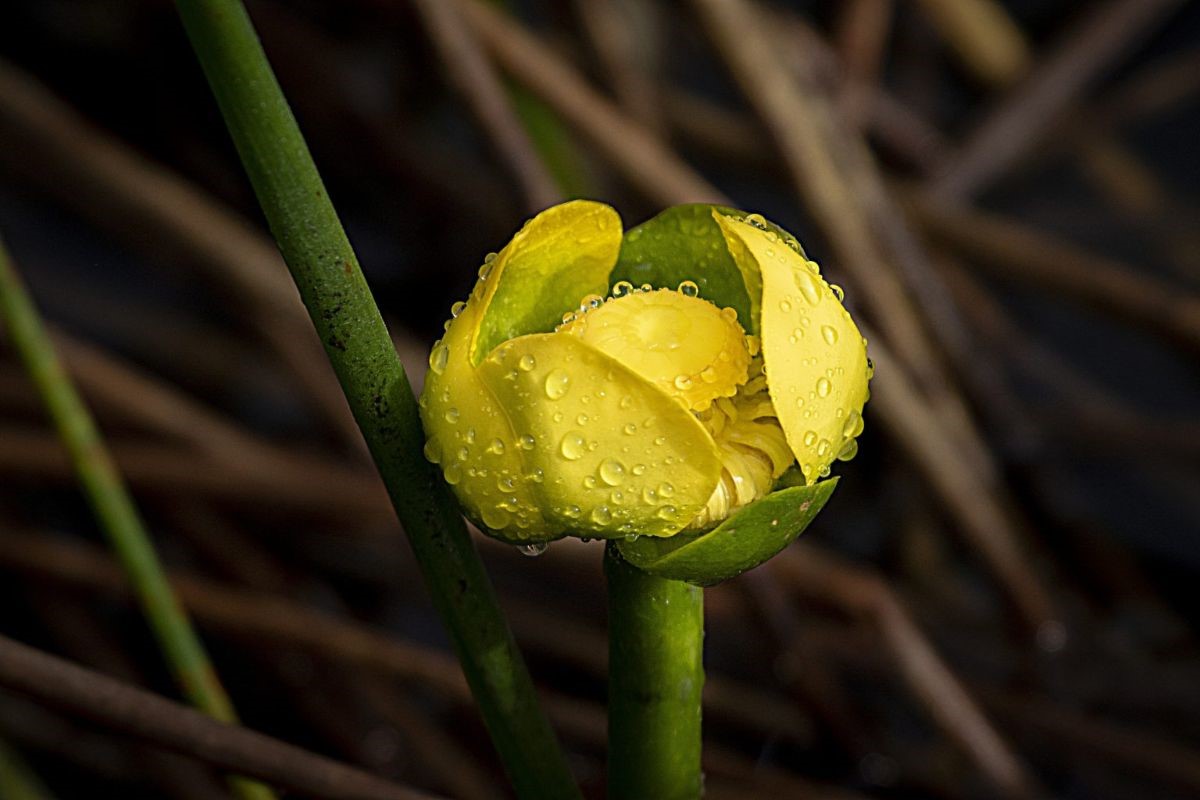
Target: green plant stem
[
  {"x": 333, "y": 288},
  {"x": 655, "y": 677},
  {"x": 112, "y": 505}
]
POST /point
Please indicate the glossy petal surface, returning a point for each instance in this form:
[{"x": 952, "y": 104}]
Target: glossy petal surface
[
  {"x": 609, "y": 453},
  {"x": 815, "y": 357}
]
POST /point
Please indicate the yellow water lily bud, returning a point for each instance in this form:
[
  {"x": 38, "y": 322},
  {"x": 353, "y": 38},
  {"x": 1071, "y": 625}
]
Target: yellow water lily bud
[{"x": 560, "y": 404}]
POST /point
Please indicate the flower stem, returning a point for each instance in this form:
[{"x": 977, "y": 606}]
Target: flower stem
[
  {"x": 333, "y": 288},
  {"x": 655, "y": 677},
  {"x": 113, "y": 507}
]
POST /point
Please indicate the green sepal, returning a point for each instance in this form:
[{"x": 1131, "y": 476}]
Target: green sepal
[
  {"x": 749, "y": 538},
  {"x": 684, "y": 243}
]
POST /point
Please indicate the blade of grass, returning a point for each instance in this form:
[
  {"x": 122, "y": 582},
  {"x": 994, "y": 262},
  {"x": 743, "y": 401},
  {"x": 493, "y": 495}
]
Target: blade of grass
[
  {"x": 17, "y": 780},
  {"x": 334, "y": 290},
  {"x": 113, "y": 507}
]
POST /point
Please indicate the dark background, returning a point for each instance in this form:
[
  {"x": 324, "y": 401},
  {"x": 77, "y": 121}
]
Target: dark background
[{"x": 1090, "y": 412}]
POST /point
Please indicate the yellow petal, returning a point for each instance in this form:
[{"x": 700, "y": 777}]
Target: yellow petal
[
  {"x": 685, "y": 346},
  {"x": 615, "y": 455},
  {"x": 816, "y": 360},
  {"x": 561, "y": 255}
]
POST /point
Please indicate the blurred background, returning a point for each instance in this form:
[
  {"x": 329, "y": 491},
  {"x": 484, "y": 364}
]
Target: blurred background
[{"x": 1000, "y": 599}]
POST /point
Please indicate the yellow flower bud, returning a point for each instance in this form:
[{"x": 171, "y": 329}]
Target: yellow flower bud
[{"x": 558, "y": 404}]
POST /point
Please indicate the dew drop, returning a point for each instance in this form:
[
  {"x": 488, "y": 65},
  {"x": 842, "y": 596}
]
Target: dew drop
[
  {"x": 533, "y": 550},
  {"x": 496, "y": 447},
  {"x": 630, "y": 429},
  {"x": 589, "y": 482},
  {"x": 810, "y": 438},
  {"x": 785, "y": 306},
  {"x": 708, "y": 374},
  {"x": 838, "y": 292},
  {"x": 582, "y": 419},
  {"x": 638, "y": 469},
  {"x": 625, "y": 402},
  {"x": 431, "y": 452},
  {"x": 683, "y": 383},
  {"x": 621, "y": 288},
  {"x": 452, "y": 415},
  {"x": 527, "y": 362},
  {"x": 666, "y": 513},
  {"x": 453, "y": 474},
  {"x": 438, "y": 356},
  {"x": 824, "y": 387},
  {"x": 573, "y": 446},
  {"x": 689, "y": 289},
  {"x": 612, "y": 472},
  {"x": 557, "y": 383},
  {"x": 666, "y": 490},
  {"x": 601, "y": 515},
  {"x": 457, "y": 308},
  {"x": 573, "y": 512},
  {"x": 495, "y": 517},
  {"x": 526, "y": 441},
  {"x": 849, "y": 450},
  {"x": 829, "y": 334}
]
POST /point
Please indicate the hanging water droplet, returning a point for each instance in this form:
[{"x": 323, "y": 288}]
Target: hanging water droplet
[
  {"x": 837, "y": 292},
  {"x": 823, "y": 448},
  {"x": 457, "y": 308},
  {"x": 453, "y": 474},
  {"x": 849, "y": 450},
  {"x": 557, "y": 383},
  {"x": 533, "y": 550},
  {"x": 573, "y": 446},
  {"x": 431, "y": 452}
]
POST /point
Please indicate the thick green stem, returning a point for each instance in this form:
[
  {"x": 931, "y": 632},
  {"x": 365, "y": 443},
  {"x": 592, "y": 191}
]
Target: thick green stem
[
  {"x": 111, "y": 503},
  {"x": 655, "y": 677},
  {"x": 327, "y": 273}
]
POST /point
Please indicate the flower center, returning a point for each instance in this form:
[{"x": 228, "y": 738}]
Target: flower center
[{"x": 700, "y": 355}]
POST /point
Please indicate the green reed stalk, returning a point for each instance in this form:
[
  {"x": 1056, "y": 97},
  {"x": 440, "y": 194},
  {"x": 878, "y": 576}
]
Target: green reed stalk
[{"x": 332, "y": 285}]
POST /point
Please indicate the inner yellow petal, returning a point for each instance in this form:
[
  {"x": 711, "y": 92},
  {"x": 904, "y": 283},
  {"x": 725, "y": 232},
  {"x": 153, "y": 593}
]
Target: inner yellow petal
[{"x": 686, "y": 346}]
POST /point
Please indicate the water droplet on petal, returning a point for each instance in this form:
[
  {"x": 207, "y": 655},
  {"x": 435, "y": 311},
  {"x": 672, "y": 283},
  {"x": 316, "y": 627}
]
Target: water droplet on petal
[
  {"x": 526, "y": 441},
  {"x": 824, "y": 387},
  {"x": 621, "y": 288},
  {"x": 496, "y": 447},
  {"x": 612, "y": 472},
  {"x": 451, "y": 415},
  {"x": 573, "y": 446},
  {"x": 689, "y": 288},
  {"x": 527, "y": 362},
  {"x": 829, "y": 334},
  {"x": 438, "y": 357},
  {"x": 601, "y": 515},
  {"x": 666, "y": 490},
  {"x": 557, "y": 383}
]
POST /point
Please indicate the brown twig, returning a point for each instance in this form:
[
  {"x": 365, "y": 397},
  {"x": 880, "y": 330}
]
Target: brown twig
[
  {"x": 1019, "y": 121},
  {"x": 472, "y": 74},
  {"x": 152, "y": 718},
  {"x": 983, "y": 36},
  {"x": 644, "y": 160},
  {"x": 1012, "y": 251},
  {"x": 622, "y": 34},
  {"x": 107, "y": 182},
  {"x": 864, "y": 595}
]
